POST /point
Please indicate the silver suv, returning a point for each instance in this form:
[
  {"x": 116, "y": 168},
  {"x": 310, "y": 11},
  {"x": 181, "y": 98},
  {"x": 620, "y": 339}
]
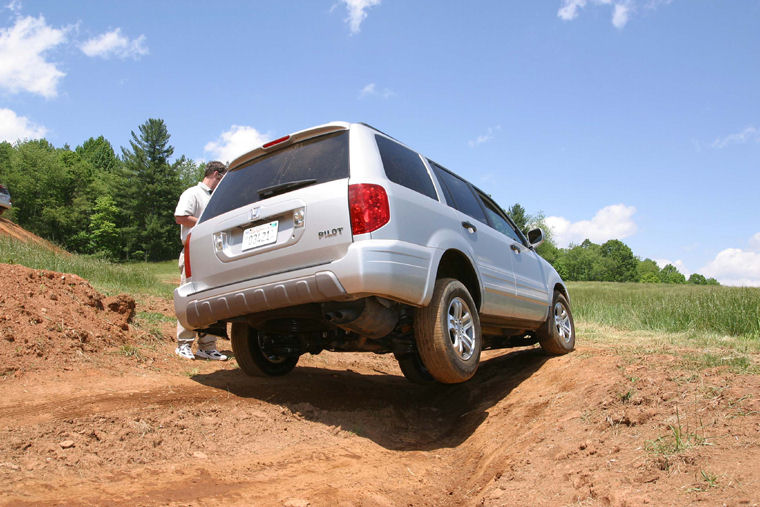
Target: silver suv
[{"x": 341, "y": 238}]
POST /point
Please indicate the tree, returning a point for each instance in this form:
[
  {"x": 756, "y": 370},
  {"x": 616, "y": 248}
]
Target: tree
[
  {"x": 697, "y": 279},
  {"x": 622, "y": 267},
  {"x": 189, "y": 173},
  {"x": 153, "y": 192},
  {"x": 104, "y": 237},
  {"x": 670, "y": 274},
  {"x": 649, "y": 278},
  {"x": 518, "y": 215},
  {"x": 99, "y": 153},
  {"x": 649, "y": 270}
]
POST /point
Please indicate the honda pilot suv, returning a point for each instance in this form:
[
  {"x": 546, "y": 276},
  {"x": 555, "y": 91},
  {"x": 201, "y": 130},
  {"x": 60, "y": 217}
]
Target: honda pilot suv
[{"x": 341, "y": 238}]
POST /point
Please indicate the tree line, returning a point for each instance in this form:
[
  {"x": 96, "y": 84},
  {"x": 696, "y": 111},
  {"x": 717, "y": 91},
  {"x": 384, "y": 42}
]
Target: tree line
[
  {"x": 612, "y": 261},
  {"x": 92, "y": 201},
  {"x": 89, "y": 200}
]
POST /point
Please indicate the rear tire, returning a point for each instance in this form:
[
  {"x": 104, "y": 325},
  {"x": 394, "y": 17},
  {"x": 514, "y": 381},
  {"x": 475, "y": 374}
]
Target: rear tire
[
  {"x": 557, "y": 335},
  {"x": 447, "y": 333},
  {"x": 251, "y": 359},
  {"x": 413, "y": 369}
]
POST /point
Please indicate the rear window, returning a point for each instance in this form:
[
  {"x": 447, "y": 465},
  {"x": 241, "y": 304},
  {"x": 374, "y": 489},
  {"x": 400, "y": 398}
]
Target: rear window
[
  {"x": 405, "y": 167},
  {"x": 323, "y": 159}
]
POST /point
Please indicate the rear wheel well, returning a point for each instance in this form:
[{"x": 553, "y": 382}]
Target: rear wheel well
[{"x": 454, "y": 264}]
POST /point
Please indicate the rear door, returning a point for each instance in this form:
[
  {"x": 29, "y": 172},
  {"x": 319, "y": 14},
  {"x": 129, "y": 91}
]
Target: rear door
[{"x": 283, "y": 211}]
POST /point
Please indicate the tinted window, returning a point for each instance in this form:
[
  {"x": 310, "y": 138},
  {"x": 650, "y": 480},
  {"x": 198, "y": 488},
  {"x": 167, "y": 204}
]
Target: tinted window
[
  {"x": 405, "y": 167},
  {"x": 497, "y": 220},
  {"x": 323, "y": 158},
  {"x": 459, "y": 190}
]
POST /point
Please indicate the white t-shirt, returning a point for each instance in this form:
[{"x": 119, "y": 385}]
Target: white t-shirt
[{"x": 192, "y": 202}]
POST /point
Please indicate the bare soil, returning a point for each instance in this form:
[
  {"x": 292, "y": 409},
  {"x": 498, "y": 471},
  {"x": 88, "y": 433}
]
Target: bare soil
[
  {"x": 95, "y": 409},
  {"x": 15, "y": 231}
]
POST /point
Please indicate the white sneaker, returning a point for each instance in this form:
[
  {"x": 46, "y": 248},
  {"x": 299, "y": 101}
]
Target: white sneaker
[
  {"x": 214, "y": 355},
  {"x": 184, "y": 351}
]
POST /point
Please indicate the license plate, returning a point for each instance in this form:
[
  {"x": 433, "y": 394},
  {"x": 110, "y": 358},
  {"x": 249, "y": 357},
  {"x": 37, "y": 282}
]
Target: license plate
[{"x": 260, "y": 235}]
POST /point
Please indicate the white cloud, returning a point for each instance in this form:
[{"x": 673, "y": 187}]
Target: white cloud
[
  {"x": 679, "y": 265},
  {"x": 610, "y": 222},
  {"x": 114, "y": 44},
  {"x": 749, "y": 134},
  {"x": 23, "y": 66},
  {"x": 236, "y": 141},
  {"x": 620, "y": 15},
  {"x": 621, "y": 9},
  {"x": 754, "y": 243},
  {"x": 14, "y": 6},
  {"x": 371, "y": 90},
  {"x": 484, "y": 138},
  {"x": 14, "y": 128},
  {"x": 734, "y": 266},
  {"x": 357, "y": 12}
]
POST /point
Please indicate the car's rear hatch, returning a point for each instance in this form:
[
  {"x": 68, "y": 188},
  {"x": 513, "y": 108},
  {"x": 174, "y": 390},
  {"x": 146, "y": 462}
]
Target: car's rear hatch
[{"x": 281, "y": 208}]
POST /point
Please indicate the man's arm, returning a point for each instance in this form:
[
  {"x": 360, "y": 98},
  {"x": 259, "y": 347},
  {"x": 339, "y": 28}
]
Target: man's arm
[{"x": 186, "y": 220}]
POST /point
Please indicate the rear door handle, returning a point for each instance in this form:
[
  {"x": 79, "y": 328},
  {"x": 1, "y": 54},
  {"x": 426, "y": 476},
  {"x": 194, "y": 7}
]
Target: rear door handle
[
  {"x": 515, "y": 248},
  {"x": 471, "y": 228}
]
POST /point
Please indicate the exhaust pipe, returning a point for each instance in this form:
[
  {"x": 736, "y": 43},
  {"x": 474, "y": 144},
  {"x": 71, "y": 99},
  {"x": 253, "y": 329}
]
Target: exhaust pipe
[{"x": 367, "y": 317}]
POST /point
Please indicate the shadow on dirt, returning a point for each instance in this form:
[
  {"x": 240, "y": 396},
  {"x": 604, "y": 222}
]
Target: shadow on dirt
[{"x": 387, "y": 409}]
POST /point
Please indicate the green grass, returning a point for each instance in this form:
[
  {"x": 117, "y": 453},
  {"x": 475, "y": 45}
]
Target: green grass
[
  {"x": 107, "y": 277},
  {"x": 701, "y": 310}
]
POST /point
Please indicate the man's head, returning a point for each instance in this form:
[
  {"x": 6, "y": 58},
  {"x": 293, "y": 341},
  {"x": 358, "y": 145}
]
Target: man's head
[{"x": 213, "y": 174}]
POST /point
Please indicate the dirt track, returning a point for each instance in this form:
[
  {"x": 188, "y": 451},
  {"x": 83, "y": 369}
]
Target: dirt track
[{"x": 122, "y": 421}]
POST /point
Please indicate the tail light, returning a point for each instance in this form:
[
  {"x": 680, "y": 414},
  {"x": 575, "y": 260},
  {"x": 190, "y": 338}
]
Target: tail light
[
  {"x": 188, "y": 272},
  {"x": 368, "y": 207}
]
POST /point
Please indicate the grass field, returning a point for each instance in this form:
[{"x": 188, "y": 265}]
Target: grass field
[{"x": 696, "y": 309}]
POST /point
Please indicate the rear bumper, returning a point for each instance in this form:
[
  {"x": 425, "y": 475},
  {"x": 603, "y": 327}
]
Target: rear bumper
[{"x": 393, "y": 269}]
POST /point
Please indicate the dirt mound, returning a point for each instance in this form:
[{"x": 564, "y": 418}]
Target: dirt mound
[
  {"x": 14, "y": 230},
  {"x": 610, "y": 424},
  {"x": 49, "y": 316}
]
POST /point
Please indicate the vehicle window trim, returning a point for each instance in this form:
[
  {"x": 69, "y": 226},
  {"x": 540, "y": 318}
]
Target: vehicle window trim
[{"x": 503, "y": 214}]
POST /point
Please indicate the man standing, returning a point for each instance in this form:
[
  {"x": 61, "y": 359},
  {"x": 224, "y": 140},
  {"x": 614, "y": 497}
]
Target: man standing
[{"x": 191, "y": 204}]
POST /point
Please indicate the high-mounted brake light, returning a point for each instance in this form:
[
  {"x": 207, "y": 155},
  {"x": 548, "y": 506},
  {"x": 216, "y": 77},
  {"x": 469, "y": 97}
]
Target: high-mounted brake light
[
  {"x": 188, "y": 273},
  {"x": 276, "y": 141},
  {"x": 368, "y": 207}
]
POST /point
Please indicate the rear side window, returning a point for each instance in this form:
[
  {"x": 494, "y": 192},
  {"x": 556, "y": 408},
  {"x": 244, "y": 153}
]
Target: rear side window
[
  {"x": 323, "y": 159},
  {"x": 460, "y": 192},
  {"x": 405, "y": 167}
]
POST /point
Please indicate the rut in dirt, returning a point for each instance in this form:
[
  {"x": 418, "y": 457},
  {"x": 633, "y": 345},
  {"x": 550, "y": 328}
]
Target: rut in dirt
[{"x": 388, "y": 409}]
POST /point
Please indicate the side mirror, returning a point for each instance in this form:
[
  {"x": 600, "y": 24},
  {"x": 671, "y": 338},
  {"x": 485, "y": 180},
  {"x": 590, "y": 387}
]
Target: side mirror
[{"x": 535, "y": 237}]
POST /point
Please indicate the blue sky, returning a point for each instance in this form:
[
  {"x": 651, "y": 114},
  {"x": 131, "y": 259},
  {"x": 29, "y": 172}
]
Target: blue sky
[{"x": 630, "y": 119}]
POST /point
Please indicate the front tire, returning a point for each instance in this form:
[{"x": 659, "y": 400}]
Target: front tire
[
  {"x": 251, "y": 358},
  {"x": 557, "y": 335},
  {"x": 447, "y": 333}
]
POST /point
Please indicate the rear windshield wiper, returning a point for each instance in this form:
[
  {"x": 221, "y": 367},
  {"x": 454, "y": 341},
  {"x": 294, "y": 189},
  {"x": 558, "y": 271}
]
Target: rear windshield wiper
[{"x": 281, "y": 188}]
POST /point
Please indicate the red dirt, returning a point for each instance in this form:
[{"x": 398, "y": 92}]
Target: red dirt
[
  {"x": 97, "y": 410},
  {"x": 13, "y": 230}
]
